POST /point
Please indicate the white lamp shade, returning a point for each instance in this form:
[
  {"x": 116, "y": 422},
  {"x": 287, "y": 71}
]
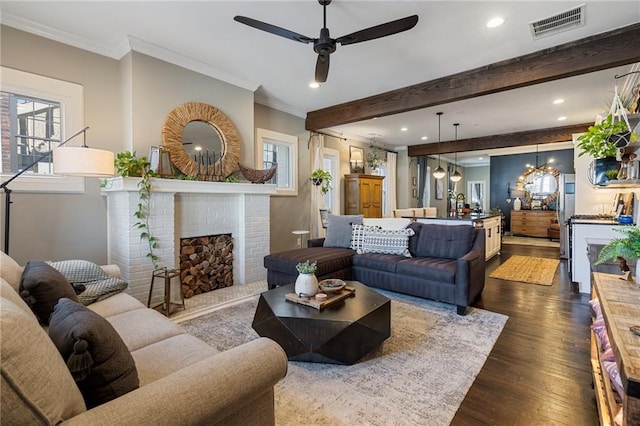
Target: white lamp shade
[
  {"x": 82, "y": 161},
  {"x": 356, "y": 156},
  {"x": 518, "y": 193}
]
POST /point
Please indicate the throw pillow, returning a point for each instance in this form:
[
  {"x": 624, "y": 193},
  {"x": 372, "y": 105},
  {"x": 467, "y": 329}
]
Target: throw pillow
[
  {"x": 357, "y": 236},
  {"x": 42, "y": 286},
  {"x": 388, "y": 241},
  {"x": 90, "y": 281},
  {"x": 95, "y": 354},
  {"x": 339, "y": 230}
]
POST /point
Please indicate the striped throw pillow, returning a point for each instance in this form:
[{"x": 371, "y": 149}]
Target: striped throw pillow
[{"x": 357, "y": 236}]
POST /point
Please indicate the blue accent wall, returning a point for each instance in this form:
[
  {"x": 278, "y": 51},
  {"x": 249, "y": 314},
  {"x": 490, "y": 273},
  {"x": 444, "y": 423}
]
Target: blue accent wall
[{"x": 505, "y": 169}]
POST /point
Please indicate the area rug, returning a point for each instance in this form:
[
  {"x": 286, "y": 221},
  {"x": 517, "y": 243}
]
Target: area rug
[
  {"x": 530, "y": 241},
  {"x": 419, "y": 375},
  {"x": 527, "y": 269}
]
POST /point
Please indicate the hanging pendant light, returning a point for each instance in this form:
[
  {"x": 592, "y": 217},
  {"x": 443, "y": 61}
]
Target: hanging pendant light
[
  {"x": 439, "y": 172},
  {"x": 456, "y": 176}
]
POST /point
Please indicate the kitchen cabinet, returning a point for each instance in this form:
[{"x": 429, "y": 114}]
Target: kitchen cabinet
[
  {"x": 363, "y": 194},
  {"x": 532, "y": 223},
  {"x": 493, "y": 235}
]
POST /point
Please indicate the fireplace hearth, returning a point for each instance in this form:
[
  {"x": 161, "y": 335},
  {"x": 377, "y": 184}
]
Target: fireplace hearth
[{"x": 206, "y": 263}]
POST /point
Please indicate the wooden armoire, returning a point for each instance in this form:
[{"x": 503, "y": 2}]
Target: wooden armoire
[{"x": 363, "y": 194}]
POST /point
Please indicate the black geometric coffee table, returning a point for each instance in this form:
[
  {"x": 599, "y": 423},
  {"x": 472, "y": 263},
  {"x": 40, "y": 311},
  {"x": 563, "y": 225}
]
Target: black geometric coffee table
[{"x": 341, "y": 333}]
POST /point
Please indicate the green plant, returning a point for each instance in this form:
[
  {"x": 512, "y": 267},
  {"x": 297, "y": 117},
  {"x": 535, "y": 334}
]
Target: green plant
[
  {"x": 627, "y": 247},
  {"x": 306, "y": 267},
  {"x": 611, "y": 174},
  {"x": 596, "y": 141},
  {"x": 129, "y": 165},
  {"x": 323, "y": 178},
  {"x": 375, "y": 159}
]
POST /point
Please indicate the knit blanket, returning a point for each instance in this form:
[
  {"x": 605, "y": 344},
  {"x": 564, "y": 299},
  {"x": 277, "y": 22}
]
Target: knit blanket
[{"x": 98, "y": 284}]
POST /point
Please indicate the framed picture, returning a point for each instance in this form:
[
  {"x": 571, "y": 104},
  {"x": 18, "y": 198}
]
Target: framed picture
[
  {"x": 439, "y": 189},
  {"x": 356, "y": 159}
]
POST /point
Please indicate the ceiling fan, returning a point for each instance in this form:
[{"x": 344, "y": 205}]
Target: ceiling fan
[{"x": 324, "y": 45}]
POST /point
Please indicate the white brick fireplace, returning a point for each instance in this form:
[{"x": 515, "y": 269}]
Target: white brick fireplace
[{"x": 185, "y": 209}]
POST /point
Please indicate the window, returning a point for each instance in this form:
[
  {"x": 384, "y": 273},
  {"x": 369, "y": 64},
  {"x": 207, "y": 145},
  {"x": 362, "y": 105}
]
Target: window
[
  {"x": 281, "y": 149},
  {"x": 37, "y": 112},
  {"x": 331, "y": 163}
]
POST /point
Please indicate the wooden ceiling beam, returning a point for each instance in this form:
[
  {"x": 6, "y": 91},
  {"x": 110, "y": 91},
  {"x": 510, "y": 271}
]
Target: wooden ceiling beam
[
  {"x": 602, "y": 51},
  {"x": 531, "y": 137}
]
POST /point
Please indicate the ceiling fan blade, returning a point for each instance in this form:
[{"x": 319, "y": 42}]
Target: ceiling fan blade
[
  {"x": 273, "y": 29},
  {"x": 322, "y": 68},
  {"x": 378, "y": 31}
]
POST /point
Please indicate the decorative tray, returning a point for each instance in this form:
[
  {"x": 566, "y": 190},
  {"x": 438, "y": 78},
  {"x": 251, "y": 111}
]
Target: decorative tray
[{"x": 317, "y": 304}]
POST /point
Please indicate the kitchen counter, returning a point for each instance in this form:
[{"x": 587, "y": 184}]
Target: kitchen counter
[{"x": 473, "y": 217}]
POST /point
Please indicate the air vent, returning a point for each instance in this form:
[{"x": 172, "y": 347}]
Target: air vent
[{"x": 569, "y": 19}]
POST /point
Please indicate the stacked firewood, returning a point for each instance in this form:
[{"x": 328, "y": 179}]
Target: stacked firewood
[{"x": 206, "y": 263}]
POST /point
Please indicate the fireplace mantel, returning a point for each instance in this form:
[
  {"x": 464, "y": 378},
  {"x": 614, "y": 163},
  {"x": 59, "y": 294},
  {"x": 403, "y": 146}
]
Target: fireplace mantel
[
  {"x": 186, "y": 209},
  {"x": 188, "y": 186}
]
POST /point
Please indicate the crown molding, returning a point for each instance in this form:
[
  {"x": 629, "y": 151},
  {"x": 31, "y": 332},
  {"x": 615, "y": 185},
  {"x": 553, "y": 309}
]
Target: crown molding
[
  {"x": 277, "y": 105},
  {"x": 129, "y": 44},
  {"x": 60, "y": 36}
]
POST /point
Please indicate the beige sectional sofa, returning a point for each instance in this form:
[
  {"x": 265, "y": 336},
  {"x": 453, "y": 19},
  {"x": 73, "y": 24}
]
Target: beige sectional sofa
[{"x": 183, "y": 381}]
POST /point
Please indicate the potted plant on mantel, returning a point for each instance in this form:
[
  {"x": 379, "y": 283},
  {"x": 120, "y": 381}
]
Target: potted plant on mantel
[
  {"x": 129, "y": 165},
  {"x": 627, "y": 247},
  {"x": 321, "y": 178}
]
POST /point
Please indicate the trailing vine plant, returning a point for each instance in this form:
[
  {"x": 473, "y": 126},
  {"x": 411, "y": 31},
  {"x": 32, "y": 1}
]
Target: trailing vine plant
[{"x": 128, "y": 165}]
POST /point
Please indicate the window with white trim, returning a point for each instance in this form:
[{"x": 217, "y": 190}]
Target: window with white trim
[
  {"x": 281, "y": 149},
  {"x": 37, "y": 112}
]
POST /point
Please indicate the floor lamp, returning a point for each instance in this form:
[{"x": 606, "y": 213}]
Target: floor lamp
[{"x": 69, "y": 161}]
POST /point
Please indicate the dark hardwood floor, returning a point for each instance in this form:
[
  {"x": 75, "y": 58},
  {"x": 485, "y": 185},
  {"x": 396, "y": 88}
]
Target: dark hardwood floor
[{"x": 538, "y": 372}]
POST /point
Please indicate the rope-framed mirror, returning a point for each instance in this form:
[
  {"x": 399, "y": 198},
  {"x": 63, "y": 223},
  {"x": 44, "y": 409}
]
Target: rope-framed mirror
[
  {"x": 173, "y": 140},
  {"x": 534, "y": 179}
]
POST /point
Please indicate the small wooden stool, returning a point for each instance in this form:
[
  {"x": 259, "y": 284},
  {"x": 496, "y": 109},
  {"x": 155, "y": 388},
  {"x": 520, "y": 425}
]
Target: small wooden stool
[{"x": 165, "y": 306}]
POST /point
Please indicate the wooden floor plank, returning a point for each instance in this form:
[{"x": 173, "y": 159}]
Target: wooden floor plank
[{"x": 538, "y": 372}]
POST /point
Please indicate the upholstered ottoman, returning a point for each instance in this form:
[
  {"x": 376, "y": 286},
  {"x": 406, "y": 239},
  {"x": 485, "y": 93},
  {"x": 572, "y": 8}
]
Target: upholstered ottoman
[{"x": 332, "y": 262}]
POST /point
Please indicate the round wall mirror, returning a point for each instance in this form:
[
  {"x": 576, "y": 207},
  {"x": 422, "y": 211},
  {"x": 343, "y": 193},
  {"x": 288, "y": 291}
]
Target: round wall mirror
[
  {"x": 193, "y": 129},
  {"x": 541, "y": 185}
]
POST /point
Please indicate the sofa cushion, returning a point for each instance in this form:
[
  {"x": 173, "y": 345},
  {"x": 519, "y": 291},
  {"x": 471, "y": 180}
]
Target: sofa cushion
[
  {"x": 150, "y": 327},
  {"x": 10, "y": 270},
  {"x": 387, "y": 241},
  {"x": 42, "y": 286},
  {"x": 7, "y": 292},
  {"x": 339, "y": 230},
  {"x": 378, "y": 262},
  {"x": 328, "y": 259},
  {"x": 37, "y": 387},
  {"x": 169, "y": 355},
  {"x": 97, "y": 357},
  {"x": 358, "y": 233},
  {"x": 98, "y": 285},
  {"x": 435, "y": 269},
  {"x": 114, "y": 305},
  {"x": 449, "y": 242},
  {"x": 387, "y": 222}
]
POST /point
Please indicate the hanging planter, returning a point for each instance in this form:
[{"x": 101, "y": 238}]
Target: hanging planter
[{"x": 321, "y": 178}]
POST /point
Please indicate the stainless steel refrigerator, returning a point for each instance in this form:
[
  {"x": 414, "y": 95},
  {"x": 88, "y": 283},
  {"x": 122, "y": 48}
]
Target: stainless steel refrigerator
[{"x": 566, "y": 209}]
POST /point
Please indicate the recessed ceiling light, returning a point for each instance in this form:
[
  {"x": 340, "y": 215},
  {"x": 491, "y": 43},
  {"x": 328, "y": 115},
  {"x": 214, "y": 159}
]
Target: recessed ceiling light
[
  {"x": 404, "y": 129},
  {"x": 495, "y": 22},
  {"x": 424, "y": 138},
  {"x": 562, "y": 118},
  {"x": 314, "y": 85},
  {"x": 558, "y": 101},
  {"x": 480, "y": 158}
]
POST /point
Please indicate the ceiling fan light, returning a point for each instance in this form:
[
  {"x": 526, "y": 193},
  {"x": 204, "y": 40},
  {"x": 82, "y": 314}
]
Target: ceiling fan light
[{"x": 439, "y": 173}]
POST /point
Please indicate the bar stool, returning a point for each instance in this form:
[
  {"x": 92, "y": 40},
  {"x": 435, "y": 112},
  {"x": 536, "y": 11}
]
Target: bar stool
[
  {"x": 300, "y": 233},
  {"x": 167, "y": 274}
]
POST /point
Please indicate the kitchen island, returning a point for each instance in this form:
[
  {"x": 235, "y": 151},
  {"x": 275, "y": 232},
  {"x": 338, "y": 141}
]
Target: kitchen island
[{"x": 492, "y": 224}]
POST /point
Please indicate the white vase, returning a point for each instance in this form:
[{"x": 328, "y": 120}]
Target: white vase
[
  {"x": 306, "y": 284},
  {"x": 517, "y": 204},
  {"x": 374, "y": 172}
]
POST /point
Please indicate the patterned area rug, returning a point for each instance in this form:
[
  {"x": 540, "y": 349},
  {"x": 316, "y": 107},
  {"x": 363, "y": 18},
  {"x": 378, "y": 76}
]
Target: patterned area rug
[
  {"x": 527, "y": 269},
  {"x": 419, "y": 375}
]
